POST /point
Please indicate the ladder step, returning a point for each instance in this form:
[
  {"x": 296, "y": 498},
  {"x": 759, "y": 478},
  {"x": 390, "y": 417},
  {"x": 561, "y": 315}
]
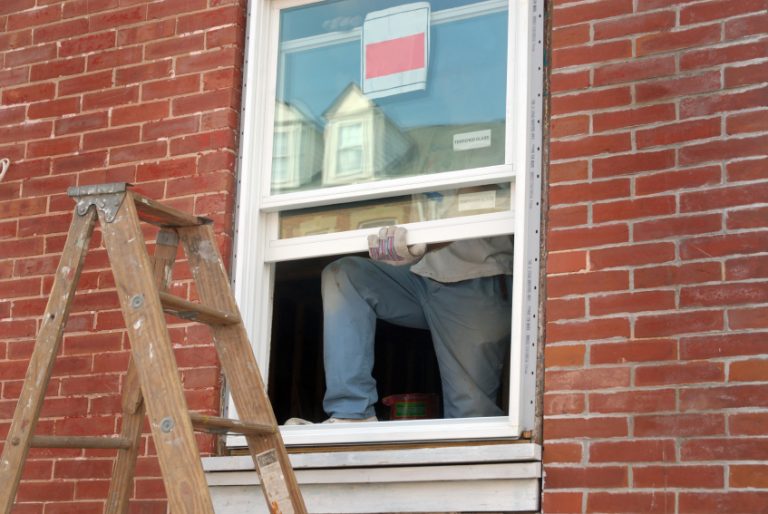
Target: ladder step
[
  {"x": 195, "y": 312},
  {"x": 218, "y": 425},
  {"x": 70, "y": 441},
  {"x": 158, "y": 214}
]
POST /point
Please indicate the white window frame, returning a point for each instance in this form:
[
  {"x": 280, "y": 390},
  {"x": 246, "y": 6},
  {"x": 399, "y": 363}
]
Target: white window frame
[{"x": 257, "y": 246}]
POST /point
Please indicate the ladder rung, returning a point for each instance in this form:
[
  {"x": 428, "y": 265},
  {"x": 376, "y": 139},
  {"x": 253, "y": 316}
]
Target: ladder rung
[
  {"x": 195, "y": 312},
  {"x": 217, "y": 425},
  {"x": 158, "y": 214},
  {"x": 71, "y": 441}
]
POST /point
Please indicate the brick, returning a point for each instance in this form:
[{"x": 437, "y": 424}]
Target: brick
[
  {"x": 118, "y": 58},
  {"x": 749, "y": 475},
  {"x": 85, "y": 83},
  {"x": 562, "y": 452},
  {"x": 45, "y": 186},
  {"x": 87, "y": 44},
  {"x": 635, "y": 162},
  {"x": 746, "y": 26},
  {"x": 726, "y": 397},
  {"x": 13, "y": 6},
  {"x": 60, "y": 31},
  {"x": 635, "y": 24},
  {"x": 179, "y": 45},
  {"x": 686, "y": 373},
  {"x": 721, "y": 246},
  {"x": 661, "y": 325},
  {"x": 655, "y": 501},
  {"x": 631, "y": 302},
  {"x": 596, "y": 10},
  {"x": 566, "y": 262},
  {"x": 209, "y": 60},
  {"x": 747, "y": 122},
  {"x": 58, "y": 146},
  {"x": 170, "y": 128},
  {"x": 582, "y": 283},
  {"x": 744, "y": 75},
  {"x": 674, "y": 275},
  {"x": 679, "y": 425},
  {"x": 724, "y": 449},
  {"x": 144, "y": 72},
  {"x": 201, "y": 142},
  {"x": 558, "y": 404},
  {"x": 81, "y": 123},
  {"x": 568, "y": 171},
  {"x": 678, "y": 87},
  {"x": 562, "y": 82},
  {"x": 569, "y": 355},
  {"x": 570, "y": 477},
  {"x": 83, "y": 161},
  {"x": 732, "y": 501},
  {"x": 632, "y": 451},
  {"x": 707, "y": 58},
  {"x": 53, "y": 108},
  {"x": 228, "y": 15},
  {"x": 754, "y": 370},
  {"x": 704, "y": 105},
  {"x": 587, "y": 379},
  {"x": 632, "y": 255},
  {"x": 633, "y": 117},
  {"x": 570, "y": 126},
  {"x": 138, "y": 152},
  {"x": 591, "y": 54},
  {"x": 684, "y": 477},
  {"x": 26, "y": 94},
  {"x": 145, "y": 32},
  {"x": 14, "y": 76},
  {"x": 118, "y": 18},
  {"x": 59, "y": 68},
  {"x": 724, "y": 294},
  {"x": 223, "y": 36},
  {"x": 174, "y": 8},
  {"x": 139, "y": 113},
  {"x": 721, "y": 150},
  {"x": 14, "y": 40},
  {"x": 734, "y": 196},
  {"x": 203, "y": 102},
  {"x": 170, "y": 87},
  {"x": 727, "y": 345},
  {"x": 83, "y": 469},
  {"x": 748, "y": 423},
  {"x": 672, "y": 41},
  {"x": 47, "y": 491},
  {"x": 112, "y": 137},
  {"x": 633, "y": 209},
  {"x": 739, "y": 319},
  {"x": 677, "y": 226},
  {"x": 635, "y": 70},
  {"x": 677, "y": 180},
  {"x": 570, "y": 36},
  {"x": 674, "y": 133},
  {"x": 110, "y": 98},
  {"x": 751, "y": 169},
  {"x": 591, "y": 100},
  {"x": 633, "y": 351},
  {"x": 589, "y": 192},
  {"x": 12, "y": 115},
  {"x": 657, "y": 400},
  {"x": 568, "y": 239},
  {"x": 588, "y": 330},
  {"x": 30, "y": 55},
  {"x": 183, "y": 167},
  {"x": 718, "y": 10},
  {"x": 568, "y": 216}
]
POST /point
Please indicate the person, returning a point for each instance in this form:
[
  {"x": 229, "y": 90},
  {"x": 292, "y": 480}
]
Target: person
[{"x": 459, "y": 291}]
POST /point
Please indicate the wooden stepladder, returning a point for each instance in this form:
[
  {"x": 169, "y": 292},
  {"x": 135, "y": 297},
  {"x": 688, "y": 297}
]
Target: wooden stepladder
[{"x": 153, "y": 384}]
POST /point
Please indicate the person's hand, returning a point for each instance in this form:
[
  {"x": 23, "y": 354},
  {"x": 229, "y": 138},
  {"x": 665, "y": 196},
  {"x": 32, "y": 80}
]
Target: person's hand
[{"x": 389, "y": 247}]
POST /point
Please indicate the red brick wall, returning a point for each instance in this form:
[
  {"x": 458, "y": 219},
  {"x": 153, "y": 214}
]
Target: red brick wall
[
  {"x": 98, "y": 91},
  {"x": 657, "y": 273}
]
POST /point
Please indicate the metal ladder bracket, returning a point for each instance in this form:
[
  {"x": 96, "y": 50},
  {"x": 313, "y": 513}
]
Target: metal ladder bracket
[{"x": 107, "y": 198}]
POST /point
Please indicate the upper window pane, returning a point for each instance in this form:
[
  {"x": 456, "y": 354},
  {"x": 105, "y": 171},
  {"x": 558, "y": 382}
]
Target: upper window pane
[{"x": 376, "y": 90}]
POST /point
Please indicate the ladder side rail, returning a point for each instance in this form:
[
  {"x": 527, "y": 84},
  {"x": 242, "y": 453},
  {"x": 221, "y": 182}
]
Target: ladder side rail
[
  {"x": 151, "y": 349},
  {"x": 43, "y": 356},
  {"x": 235, "y": 353},
  {"x": 124, "y": 469}
]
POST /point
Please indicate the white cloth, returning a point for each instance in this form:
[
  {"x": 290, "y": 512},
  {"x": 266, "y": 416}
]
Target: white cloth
[{"x": 467, "y": 259}]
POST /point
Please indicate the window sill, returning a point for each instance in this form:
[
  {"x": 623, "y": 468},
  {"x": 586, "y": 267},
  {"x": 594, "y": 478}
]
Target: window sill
[{"x": 489, "y": 477}]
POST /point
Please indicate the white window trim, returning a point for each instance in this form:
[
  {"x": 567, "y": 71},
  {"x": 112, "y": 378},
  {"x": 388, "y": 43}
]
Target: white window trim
[{"x": 253, "y": 283}]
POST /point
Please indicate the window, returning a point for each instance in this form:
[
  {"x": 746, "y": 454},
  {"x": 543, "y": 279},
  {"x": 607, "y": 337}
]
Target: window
[{"x": 364, "y": 114}]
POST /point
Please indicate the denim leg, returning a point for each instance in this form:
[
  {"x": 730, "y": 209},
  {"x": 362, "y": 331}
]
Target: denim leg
[
  {"x": 470, "y": 323},
  {"x": 356, "y": 291}
]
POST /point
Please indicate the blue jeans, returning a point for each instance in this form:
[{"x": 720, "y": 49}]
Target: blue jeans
[{"x": 469, "y": 322}]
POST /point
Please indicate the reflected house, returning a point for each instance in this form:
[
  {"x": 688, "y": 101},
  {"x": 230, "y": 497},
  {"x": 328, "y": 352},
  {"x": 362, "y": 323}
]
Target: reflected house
[
  {"x": 361, "y": 142},
  {"x": 297, "y": 148}
]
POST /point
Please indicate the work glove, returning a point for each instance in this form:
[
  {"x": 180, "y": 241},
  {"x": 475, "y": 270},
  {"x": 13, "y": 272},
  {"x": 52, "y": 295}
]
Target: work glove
[{"x": 389, "y": 247}]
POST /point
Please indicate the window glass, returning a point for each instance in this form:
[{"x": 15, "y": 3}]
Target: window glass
[{"x": 387, "y": 89}]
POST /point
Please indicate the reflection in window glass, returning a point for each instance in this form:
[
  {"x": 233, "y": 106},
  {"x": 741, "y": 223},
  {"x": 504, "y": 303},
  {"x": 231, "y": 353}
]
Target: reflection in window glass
[{"x": 387, "y": 89}]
